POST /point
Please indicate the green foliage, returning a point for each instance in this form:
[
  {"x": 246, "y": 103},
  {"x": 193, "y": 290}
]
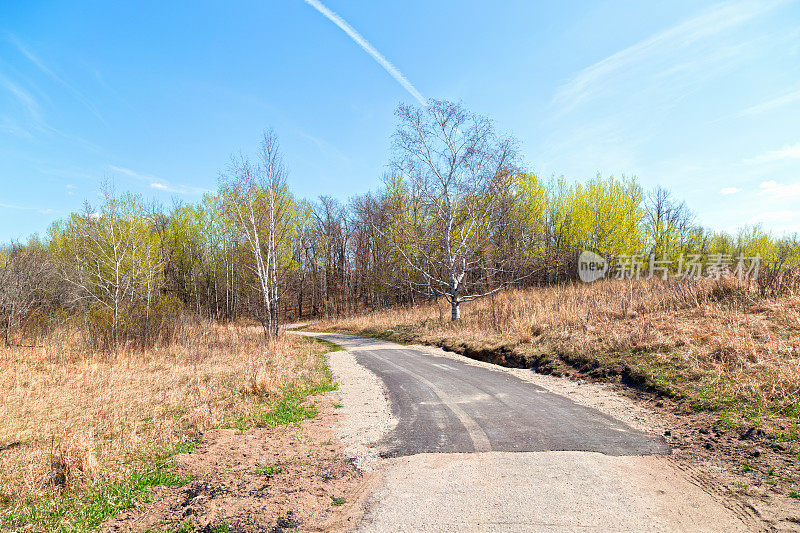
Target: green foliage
[
  {"x": 607, "y": 216},
  {"x": 86, "y": 512},
  {"x": 269, "y": 471}
]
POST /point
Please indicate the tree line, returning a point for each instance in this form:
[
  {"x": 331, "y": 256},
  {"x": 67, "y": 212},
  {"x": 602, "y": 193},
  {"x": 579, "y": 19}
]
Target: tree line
[{"x": 458, "y": 217}]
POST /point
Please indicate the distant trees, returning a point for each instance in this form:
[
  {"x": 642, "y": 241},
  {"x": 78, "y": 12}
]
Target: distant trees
[
  {"x": 27, "y": 282},
  {"x": 457, "y": 218},
  {"x": 608, "y": 216},
  {"x": 112, "y": 259},
  {"x": 667, "y": 223}
]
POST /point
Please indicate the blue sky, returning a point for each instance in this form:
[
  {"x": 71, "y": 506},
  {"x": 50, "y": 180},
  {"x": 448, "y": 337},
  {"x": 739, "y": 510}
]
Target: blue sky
[{"x": 701, "y": 98}]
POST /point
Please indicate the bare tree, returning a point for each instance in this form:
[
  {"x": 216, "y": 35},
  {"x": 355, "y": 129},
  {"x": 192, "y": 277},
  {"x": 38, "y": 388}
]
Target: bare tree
[
  {"x": 252, "y": 194},
  {"x": 667, "y": 222},
  {"x": 456, "y": 169},
  {"x": 330, "y": 248},
  {"x": 26, "y": 279}
]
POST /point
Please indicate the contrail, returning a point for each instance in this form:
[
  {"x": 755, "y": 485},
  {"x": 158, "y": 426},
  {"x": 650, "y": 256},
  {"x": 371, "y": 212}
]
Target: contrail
[
  {"x": 33, "y": 58},
  {"x": 363, "y": 43}
]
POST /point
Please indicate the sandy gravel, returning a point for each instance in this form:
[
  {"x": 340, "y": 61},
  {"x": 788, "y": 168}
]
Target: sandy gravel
[
  {"x": 365, "y": 413},
  {"x": 231, "y": 487},
  {"x": 541, "y": 491}
]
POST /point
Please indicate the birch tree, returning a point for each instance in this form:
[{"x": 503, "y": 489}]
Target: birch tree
[
  {"x": 112, "y": 258},
  {"x": 253, "y": 196},
  {"x": 457, "y": 169}
]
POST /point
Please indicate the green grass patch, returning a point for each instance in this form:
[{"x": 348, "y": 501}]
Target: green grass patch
[
  {"x": 400, "y": 334},
  {"x": 293, "y": 405},
  {"x": 185, "y": 527},
  {"x": 269, "y": 471},
  {"x": 87, "y": 511},
  {"x": 337, "y": 501},
  {"x": 289, "y": 409},
  {"x": 188, "y": 446},
  {"x": 330, "y": 347}
]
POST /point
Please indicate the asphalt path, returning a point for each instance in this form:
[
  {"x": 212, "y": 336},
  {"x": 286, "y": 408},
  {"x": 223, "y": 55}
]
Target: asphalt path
[{"x": 448, "y": 406}]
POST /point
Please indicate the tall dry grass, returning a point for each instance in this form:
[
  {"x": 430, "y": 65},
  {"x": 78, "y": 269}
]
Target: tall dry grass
[
  {"x": 85, "y": 418},
  {"x": 717, "y": 340}
]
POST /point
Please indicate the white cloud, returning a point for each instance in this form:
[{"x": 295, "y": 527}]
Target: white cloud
[
  {"x": 40, "y": 210},
  {"x": 178, "y": 189},
  {"x": 129, "y": 172},
  {"x": 664, "y": 46},
  {"x": 729, "y": 190},
  {"x": 25, "y": 98},
  {"x": 324, "y": 146},
  {"x": 777, "y": 216},
  {"x": 368, "y": 48},
  {"x": 771, "y": 104},
  {"x": 780, "y": 191},
  {"x": 158, "y": 183},
  {"x": 787, "y": 152}
]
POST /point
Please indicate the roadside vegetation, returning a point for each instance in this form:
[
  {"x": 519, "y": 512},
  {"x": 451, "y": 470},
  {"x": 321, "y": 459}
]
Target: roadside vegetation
[{"x": 94, "y": 431}]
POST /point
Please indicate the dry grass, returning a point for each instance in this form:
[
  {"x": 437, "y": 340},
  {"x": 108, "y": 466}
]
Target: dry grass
[
  {"x": 83, "y": 420},
  {"x": 716, "y": 342}
]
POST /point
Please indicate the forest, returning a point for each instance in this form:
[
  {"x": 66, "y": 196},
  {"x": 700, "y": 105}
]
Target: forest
[{"x": 458, "y": 216}]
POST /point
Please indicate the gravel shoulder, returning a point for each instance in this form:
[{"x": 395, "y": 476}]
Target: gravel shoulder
[
  {"x": 366, "y": 416},
  {"x": 541, "y": 491}
]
